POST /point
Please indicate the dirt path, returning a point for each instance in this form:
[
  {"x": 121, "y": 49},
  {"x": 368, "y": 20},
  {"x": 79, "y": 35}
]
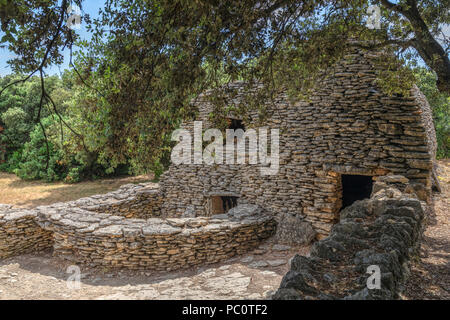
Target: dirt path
[{"x": 430, "y": 277}]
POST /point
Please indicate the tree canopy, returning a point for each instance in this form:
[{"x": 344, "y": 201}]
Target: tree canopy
[{"x": 148, "y": 59}]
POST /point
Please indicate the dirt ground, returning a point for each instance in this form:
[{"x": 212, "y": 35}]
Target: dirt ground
[
  {"x": 430, "y": 276},
  {"x": 255, "y": 275},
  {"x": 29, "y": 194}
]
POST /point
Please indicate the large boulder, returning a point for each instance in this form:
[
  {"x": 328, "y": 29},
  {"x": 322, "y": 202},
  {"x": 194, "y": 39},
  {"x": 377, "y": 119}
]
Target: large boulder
[{"x": 245, "y": 210}]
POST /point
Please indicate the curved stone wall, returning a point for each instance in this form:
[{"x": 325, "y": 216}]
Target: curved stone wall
[
  {"x": 146, "y": 203},
  {"x": 349, "y": 126},
  {"x": 130, "y": 201},
  {"x": 152, "y": 244},
  {"x": 77, "y": 231},
  {"x": 427, "y": 120}
]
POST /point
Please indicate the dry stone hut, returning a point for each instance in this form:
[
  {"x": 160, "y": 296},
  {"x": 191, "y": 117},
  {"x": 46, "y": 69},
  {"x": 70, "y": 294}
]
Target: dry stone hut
[{"x": 331, "y": 150}]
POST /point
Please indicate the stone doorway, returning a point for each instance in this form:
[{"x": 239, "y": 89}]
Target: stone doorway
[{"x": 355, "y": 187}]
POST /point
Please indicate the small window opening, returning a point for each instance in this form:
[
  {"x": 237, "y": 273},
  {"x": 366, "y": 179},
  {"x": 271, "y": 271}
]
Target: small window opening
[
  {"x": 222, "y": 204},
  {"x": 355, "y": 187}
]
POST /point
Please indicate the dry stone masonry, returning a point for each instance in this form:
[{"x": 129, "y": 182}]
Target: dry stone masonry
[
  {"x": 104, "y": 231},
  {"x": 153, "y": 244},
  {"x": 145, "y": 203},
  {"x": 349, "y": 127},
  {"x": 383, "y": 231}
]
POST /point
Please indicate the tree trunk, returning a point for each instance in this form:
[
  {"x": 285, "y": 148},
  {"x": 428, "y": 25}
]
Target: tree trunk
[
  {"x": 429, "y": 49},
  {"x": 426, "y": 45}
]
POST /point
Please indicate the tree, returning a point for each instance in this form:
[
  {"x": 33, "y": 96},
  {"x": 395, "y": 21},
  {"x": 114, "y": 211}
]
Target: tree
[
  {"x": 425, "y": 22},
  {"x": 35, "y": 31},
  {"x": 407, "y": 23},
  {"x": 148, "y": 59}
]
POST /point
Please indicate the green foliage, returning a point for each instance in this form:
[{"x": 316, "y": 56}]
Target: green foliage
[
  {"x": 440, "y": 104},
  {"x": 72, "y": 157},
  {"x": 17, "y": 128},
  {"x": 73, "y": 176},
  {"x": 147, "y": 60},
  {"x": 35, "y": 31},
  {"x": 33, "y": 164},
  {"x": 13, "y": 116}
]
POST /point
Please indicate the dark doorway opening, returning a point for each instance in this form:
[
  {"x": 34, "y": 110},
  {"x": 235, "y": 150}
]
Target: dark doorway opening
[
  {"x": 355, "y": 187},
  {"x": 235, "y": 124},
  {"x": 222, "y": 204}
]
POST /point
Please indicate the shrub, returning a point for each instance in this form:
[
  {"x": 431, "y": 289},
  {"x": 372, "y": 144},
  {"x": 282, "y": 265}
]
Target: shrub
[
  {"x": 73, "y": 176},
  {"x": 33, "y": 163}
]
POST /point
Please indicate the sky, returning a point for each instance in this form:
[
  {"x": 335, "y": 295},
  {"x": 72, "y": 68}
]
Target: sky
[{"x": 90, "y": 7}]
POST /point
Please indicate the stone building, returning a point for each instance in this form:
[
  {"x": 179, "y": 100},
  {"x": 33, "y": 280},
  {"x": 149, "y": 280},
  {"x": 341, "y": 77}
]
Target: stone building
[{"x": 332, "y": 148}]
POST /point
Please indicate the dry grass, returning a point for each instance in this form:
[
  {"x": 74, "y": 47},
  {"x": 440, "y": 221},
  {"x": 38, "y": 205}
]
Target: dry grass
[{"x": 28, "y": 194}]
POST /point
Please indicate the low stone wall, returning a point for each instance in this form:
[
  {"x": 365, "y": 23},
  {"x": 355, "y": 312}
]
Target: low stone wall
[
  {"x": 140, "y": 201},
  {"x": 145, "y": 204},
  {"x": 19, "y": 233},
  {"x": 102, "y": 240},
  {"x": 106, "y": 231},
  {"x": 382, "y": 231}
]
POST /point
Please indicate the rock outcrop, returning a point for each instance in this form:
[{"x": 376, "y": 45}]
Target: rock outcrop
[{"x": 293, "y": 230}]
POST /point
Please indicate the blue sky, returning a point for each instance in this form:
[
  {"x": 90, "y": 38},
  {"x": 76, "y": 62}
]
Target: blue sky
[{"x": 90, "y": 7}]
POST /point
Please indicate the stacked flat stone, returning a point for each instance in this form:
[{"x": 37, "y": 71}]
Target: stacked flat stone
[
  {"x": 349, "y": 126},
  {"x": 142, "y": 205},
  {"x": 20, "y": 234},
  {"x": 78, "y": 232},
  {"x": 130, "y": 201}
]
